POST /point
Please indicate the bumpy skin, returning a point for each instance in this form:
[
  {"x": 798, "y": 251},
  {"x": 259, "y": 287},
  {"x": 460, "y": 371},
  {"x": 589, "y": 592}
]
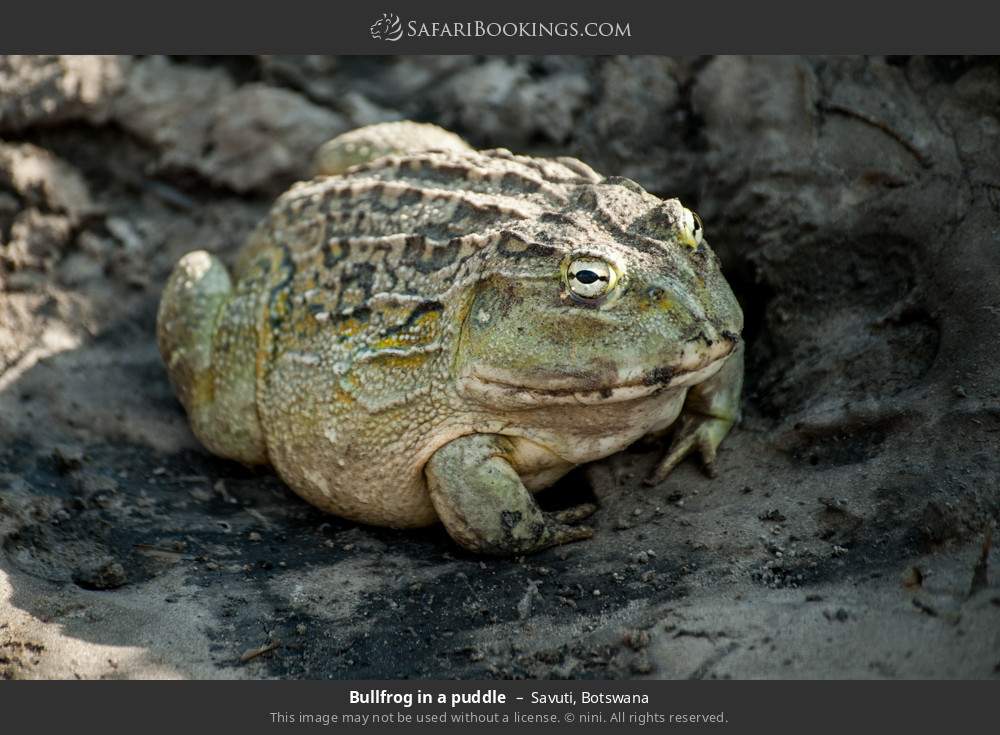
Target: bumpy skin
[{"x": 404, "y": 340}]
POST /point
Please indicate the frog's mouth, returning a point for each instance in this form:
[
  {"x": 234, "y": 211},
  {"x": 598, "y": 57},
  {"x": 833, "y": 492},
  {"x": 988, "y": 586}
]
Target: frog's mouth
[{"x": 489, "y": 384}]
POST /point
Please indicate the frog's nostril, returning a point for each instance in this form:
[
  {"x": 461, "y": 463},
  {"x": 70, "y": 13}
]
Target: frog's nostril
[
  {"x": 706, "y": 335},
  {"x": 655, "y": 293}
]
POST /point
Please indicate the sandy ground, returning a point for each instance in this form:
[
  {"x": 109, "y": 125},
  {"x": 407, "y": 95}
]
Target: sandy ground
[{"x": 856, "y": 206}]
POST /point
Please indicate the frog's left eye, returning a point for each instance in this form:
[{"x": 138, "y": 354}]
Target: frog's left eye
[
  {"x": 590, "y": 278},
  {"x": 692, "y": 230}
]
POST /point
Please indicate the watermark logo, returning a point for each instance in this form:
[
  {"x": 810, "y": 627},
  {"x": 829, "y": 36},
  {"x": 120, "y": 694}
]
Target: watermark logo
[
  {"x": 390, "y": 28},
  {"x": 387, "y": 28}
]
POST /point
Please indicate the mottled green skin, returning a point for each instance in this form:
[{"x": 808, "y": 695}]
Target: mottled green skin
[{"x": 401, "y": 342}]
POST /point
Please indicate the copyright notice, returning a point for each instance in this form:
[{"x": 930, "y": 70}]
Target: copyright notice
[{"x": 496, "y": 707}]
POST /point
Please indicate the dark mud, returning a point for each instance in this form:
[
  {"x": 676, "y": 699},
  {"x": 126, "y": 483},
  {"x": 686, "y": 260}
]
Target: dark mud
[{"x": 855, "y": 204}]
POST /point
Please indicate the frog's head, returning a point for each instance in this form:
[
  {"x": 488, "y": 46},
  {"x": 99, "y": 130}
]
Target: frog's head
[{"x": 615, "y": 298}]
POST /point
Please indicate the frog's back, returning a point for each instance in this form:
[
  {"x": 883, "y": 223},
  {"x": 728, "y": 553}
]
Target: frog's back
[{"x": 408, "y": 222}]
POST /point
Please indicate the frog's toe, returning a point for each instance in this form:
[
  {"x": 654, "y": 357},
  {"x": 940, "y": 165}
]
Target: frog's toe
[
  {"x": 561, "y": 525},
  {"x": 701, "y": 434},
  {"x": 559, "y": 533},
  {"x": 574, "y": 514}
]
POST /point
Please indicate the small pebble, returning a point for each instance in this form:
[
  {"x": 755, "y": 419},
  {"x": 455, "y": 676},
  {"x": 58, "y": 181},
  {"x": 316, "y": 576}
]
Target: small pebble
[
  {"x": 108, "y": 575},
  {"x": 67, "y": 458},
  {"x": 636, "y": 639},
  {"x": 912, "y": 577}
]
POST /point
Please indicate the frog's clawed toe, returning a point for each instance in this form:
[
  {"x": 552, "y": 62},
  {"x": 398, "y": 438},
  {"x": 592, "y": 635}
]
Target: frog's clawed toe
[
  {"x": 566, "y": 534},
  {"x": 574, "y": 514},
  {"x": 701, "y": 434},
  {"x": 560, "y": 525}
]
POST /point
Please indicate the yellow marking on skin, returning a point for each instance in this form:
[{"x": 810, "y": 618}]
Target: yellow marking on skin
[
  {"x": 281, "y": 304},
  {"x": 661, "y": 303},
  {"x": 422, "y": 331},
  {"x": 341, "y": 397},
  {"x": 685, "y": 238},
  {"x": 336, "y": 250},
  {"x": 306, "y": 328},
  {"x": 203, "y": 393},
  {"x": 349, "y": 327},
  {"x": 346, "y": 389},
  {"x": 394, "y": 341},
  {"x": 428, "y": 318},
  {"x": 404, "y": 362}
]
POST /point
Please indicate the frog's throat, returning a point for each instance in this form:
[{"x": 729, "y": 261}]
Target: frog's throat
[{"x": 490, "y": 385}]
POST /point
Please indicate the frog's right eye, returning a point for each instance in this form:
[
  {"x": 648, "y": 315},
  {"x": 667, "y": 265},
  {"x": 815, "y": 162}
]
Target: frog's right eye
[
  {"x": 698, "y": 230},
  {"x": 590, "y": 278},
  {"x": 692, "y": 230}
]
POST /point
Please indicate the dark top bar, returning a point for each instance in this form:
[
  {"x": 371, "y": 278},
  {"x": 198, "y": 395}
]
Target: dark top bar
[{"x": 513, "y": 26}]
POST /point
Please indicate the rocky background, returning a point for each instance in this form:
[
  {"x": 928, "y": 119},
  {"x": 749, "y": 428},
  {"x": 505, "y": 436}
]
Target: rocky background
[{"x": 856, "y": 205}]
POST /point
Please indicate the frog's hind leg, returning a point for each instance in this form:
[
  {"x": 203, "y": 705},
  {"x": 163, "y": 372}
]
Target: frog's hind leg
[
  {"x": 212, "y": 370},
  {"x": 382, "y": 139}
]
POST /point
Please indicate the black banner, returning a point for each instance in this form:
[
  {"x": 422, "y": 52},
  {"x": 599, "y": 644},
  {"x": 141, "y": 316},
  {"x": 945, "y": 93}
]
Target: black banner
[
  {"x": 452, "y": 27},
  {"x": 591, "y": 706}
]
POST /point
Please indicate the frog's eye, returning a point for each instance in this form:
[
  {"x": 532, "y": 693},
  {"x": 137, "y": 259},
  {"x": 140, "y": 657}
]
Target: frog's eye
[
  {"x": 698, "y": 231},
  {"x": 590, "y": 278},
  {"x": 692, "y": 230}
]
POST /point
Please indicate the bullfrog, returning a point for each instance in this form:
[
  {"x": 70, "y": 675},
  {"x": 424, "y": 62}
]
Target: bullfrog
[{"x": 427, "y": 332}]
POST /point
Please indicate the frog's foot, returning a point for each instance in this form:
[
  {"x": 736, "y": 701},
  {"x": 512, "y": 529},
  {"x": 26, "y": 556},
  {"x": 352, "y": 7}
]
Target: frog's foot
[
  {"x": 694, "y": 433},
  {"x": 365, "y": 144},
  {"x": 486, "y": 508}
]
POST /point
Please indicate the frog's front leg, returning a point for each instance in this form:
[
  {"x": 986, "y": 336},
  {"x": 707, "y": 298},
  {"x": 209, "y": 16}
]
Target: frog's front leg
[
  {"x": 485, "y": 506},
  {"x": 206, "y": 332},
  {"x": 710, "y": 411}
]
